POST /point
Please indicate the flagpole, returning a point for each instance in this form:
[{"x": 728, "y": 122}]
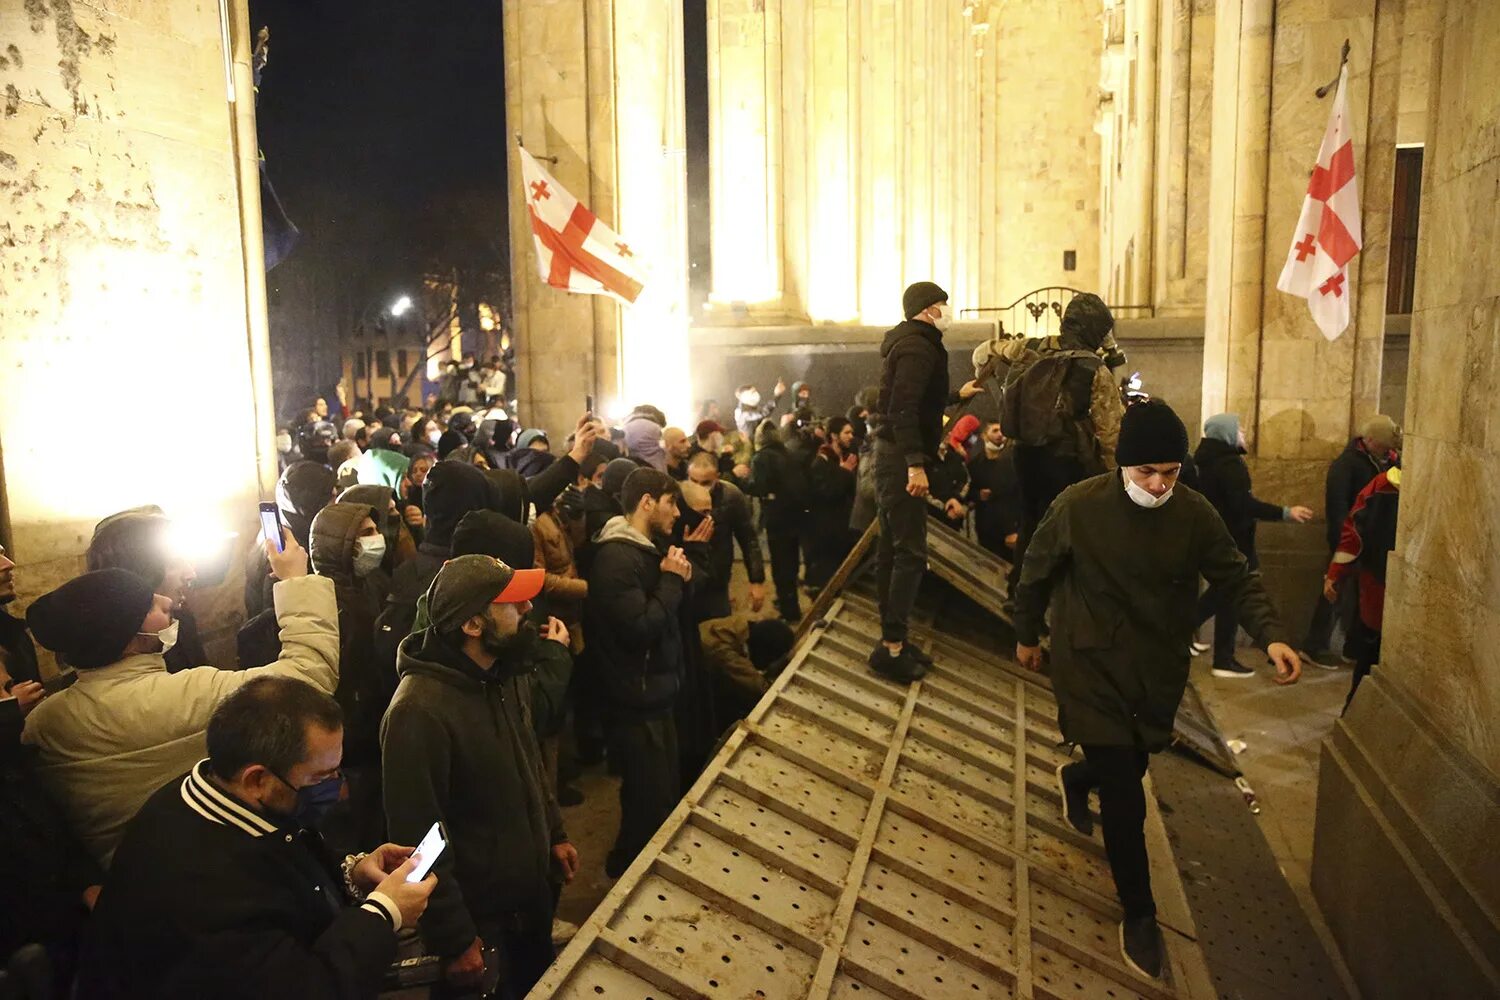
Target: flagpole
[
  {"x": 521, "y": 145},
  {"x": 1321, "y": 92}
]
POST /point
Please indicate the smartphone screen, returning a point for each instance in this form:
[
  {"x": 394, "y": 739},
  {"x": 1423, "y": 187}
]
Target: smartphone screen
[
  {"x": 270, "y": 525},
  {"x": 427, "y": 852}
]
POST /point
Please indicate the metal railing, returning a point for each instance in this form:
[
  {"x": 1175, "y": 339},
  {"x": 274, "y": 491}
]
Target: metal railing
[{"x": 1039, "y": 312}]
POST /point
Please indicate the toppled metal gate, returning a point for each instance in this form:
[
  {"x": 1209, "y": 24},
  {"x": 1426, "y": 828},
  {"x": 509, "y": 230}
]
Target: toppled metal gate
[{"x": 859, "y": 839}]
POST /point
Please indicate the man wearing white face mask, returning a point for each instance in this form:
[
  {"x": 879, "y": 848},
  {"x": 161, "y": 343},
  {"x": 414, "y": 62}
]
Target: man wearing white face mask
[
  {"x": 128, "y": 725},
  {"x": 1118, "y": 556},
  {"x": 913, "y": 394}
]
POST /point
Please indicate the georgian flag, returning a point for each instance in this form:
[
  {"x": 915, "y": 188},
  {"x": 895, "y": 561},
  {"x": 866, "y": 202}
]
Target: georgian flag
[
  {"x": 1328, "y": 233},
  {"x": 574, "y": 250}
]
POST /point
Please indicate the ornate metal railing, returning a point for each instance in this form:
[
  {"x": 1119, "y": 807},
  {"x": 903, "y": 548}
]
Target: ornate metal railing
[{"x": 1039, "y": 312}]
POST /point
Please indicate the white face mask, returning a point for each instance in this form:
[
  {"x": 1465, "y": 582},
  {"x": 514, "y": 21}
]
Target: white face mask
[
  {"x": 942, "y": 320},
  {"x": 750, "y": 400},
  {"x": 167, "y": 636},
  {"x": 1142, "y": 497},
  {"x": 283, "y": 443},
  {"x": 434, "y": 437},
  {"x": 369, "y": 551}
]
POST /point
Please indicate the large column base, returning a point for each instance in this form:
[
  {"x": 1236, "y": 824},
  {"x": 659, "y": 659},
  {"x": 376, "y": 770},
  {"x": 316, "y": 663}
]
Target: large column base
[{"x": 1404, "y": 865}]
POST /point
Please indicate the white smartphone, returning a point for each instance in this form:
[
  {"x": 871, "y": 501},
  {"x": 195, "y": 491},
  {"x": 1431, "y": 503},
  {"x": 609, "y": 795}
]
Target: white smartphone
[{"x": 428, "y": 851}]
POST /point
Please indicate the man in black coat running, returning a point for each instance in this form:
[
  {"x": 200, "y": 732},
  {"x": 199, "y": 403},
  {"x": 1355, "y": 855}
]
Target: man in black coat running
[{"x": 913, "y": 394}]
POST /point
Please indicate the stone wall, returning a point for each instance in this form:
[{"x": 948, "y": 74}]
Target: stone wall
[
  {"x": 123, "y": 289},
  {"x": 1409, "y": 801}
]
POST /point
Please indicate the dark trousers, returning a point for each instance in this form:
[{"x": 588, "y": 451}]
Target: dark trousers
[
  {"x": 645, "y": 751},
  {"x": 1213, "y": 603},
  {"x": 1040, "y": 477},
  {"x": 1326, "y": 614},
  {"x": 1364, "y": 646},
  {"x": 786, "y": 556},
  {"x": 901, "y": 555},
  {"x": 523, "y": 957},
  {"x": 1117, "y": 773}
]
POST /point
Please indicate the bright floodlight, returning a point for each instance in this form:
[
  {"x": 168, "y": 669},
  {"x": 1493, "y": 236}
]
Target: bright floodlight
[{"x": 401, "y": 305}]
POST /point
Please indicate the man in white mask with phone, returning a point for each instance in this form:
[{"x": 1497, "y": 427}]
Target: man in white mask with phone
[{"x": 1118, "y": 558}]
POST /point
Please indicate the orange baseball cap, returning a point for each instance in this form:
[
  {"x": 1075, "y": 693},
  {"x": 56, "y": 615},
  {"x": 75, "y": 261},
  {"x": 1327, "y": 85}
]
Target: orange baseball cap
[{"x": 523, "y": 586}]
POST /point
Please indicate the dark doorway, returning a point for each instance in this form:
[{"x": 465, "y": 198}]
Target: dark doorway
[{"x": 1406, "y": 206}]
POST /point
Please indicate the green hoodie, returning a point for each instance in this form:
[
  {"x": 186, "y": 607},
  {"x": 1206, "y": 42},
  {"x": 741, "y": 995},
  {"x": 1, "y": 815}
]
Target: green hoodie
[{"x": 459, "y": 746}]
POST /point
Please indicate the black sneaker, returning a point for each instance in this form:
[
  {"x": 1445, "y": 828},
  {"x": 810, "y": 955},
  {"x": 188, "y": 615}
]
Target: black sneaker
[
  {"x": 567, "y": 795},
  {"x": 1075, "y": 801},
  {"x": 902, "y": 667},
  {"x": 1140, "y": 946},
  {"x": 1232, "y": 669},
  {"x": 918, "y": 653}
]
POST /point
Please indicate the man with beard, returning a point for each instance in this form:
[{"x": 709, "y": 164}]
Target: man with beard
[
  {"x": 636, "y": 586},
  {"x": 459, "y": 746}
]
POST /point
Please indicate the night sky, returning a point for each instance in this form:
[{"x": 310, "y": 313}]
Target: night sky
[{"x": 383, "y": 126}]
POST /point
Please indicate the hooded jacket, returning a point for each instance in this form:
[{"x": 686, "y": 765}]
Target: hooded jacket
[
  {"x": 1224, "y": 479},
  {"x": 1086, "y": 324},
  {"x": 913, "y": 390},
  {"x": 364, "y": 688},
  {"x": 732, "y": 523},
  {"x": 460, "y": 747},
  {"x": 1122, "y": 582},
  {"x": 643, "y": 441},
  {"x": 778, "y": 476},
  {"x": 632, "y": 622}
]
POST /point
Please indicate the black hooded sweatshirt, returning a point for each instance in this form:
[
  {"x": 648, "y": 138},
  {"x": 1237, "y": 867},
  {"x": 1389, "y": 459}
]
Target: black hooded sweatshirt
[{"x": 454, "y": 730}]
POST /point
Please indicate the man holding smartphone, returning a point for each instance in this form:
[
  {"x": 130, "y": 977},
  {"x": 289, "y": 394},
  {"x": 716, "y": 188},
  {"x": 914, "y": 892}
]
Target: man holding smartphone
[{"x": 460, "y": 746}]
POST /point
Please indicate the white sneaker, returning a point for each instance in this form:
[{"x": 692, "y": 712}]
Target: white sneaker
[
  {"x": 1196, "y": 648},
  {"x": 562, "y": 932}
]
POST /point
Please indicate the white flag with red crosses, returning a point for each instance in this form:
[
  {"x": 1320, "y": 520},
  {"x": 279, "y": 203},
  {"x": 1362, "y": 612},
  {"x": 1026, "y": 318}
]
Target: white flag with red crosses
[
  {"x": 1328, "y": 233},
  {"x": 574, "y": 250}
]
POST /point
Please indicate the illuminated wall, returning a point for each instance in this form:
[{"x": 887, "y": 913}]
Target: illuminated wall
[{"x": 126, "y": 376}]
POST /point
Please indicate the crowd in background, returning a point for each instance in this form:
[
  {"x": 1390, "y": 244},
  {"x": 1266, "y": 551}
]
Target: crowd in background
[{"x": 460, "y": 614}]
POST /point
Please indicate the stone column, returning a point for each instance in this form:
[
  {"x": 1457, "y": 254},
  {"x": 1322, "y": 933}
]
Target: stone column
[
  {"x": 1409, "y": 792},
  {"x": 744, "y": 79},
  {"x": 125, "y": 269},
  {"x": 831, "y": 220},
  {"x": 559, "y": 95}
]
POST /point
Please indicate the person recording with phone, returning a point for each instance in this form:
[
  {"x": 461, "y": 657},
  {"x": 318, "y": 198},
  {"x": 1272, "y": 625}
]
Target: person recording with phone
[
  {"x": 460, "y": 747},
  {"x": 209, "y": 894},
  {"x": 128, "y": 724}
]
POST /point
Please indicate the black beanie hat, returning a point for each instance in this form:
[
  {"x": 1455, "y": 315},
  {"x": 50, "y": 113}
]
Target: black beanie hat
[
  {"x": 91, "y": 618},
  {"x": 490, "y": 533},
  {"x": 1151, "y": 432},
  {"x": 919, "y": 296},
  {"x": 451, "y": 491}
]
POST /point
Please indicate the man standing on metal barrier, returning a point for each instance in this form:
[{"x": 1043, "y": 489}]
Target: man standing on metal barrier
[
  {"x": 1119, "y": 556},
  {"x": 913, "y": 394}
]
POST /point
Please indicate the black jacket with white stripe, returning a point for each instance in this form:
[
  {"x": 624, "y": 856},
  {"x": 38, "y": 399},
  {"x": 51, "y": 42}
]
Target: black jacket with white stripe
[{"x": 207, "y": 898}]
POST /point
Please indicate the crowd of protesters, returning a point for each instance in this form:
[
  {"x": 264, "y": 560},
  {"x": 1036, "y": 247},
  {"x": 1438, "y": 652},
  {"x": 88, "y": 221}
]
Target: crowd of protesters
[{"x": 460, "y": 613}]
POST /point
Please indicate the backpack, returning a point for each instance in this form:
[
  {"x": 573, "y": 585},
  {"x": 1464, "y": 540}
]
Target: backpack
[{"x": 1033, "y": 410}]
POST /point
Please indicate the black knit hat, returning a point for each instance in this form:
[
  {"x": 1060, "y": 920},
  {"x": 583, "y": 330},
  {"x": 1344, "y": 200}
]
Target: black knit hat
[
  {"x": 490, "y": 533},
  {"x": 770, "y": 641},
  {"x": 91, "y": 618},
  {"x": 1150, "y": 432},
  {"x": 919, "y": 296}
]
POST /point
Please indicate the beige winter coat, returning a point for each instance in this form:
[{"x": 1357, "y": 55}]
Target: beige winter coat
[{"x": 122, "y": 731}]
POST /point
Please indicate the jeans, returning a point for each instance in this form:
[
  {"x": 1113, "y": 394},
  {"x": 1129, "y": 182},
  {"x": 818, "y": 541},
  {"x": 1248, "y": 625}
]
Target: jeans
[
  {"x": 901, "y": 555},
  {"x": 645, "y": 751},
  {"x": 1117, "y": 773}
]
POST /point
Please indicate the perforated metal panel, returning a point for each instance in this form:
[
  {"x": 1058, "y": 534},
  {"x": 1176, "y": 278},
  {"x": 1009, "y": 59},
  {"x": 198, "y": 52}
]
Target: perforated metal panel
[{"x": 856, "y": 838}]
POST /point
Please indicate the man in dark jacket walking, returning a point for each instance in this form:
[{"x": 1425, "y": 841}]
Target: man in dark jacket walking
[
  {"x": 1365, "y": 457},
  {"x": 831, "y": 481},
  {"x": 1224, "y": 480},
  {"x": 460, "y": 746},
  {"x": 913, "y": 395},
  {"x": 634, "y": 634},
  {"x": 1118, "y": 557}
]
